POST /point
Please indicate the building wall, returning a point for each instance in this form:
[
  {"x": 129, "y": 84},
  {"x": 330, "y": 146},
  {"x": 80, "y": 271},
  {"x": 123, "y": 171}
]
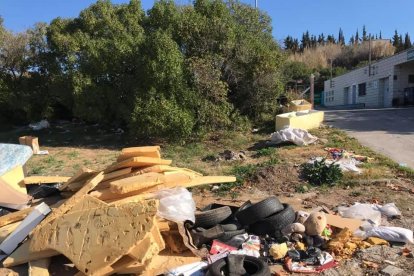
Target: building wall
[
  {"x": 383, "y": 69},
  {"x": 402, "y": 73}
]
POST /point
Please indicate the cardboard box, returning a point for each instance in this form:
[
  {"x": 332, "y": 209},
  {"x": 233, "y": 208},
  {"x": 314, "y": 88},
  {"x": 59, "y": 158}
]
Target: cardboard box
[{"x": 30, "y": 141}]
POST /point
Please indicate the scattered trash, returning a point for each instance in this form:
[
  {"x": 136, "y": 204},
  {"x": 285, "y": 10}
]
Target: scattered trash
[
  {"x": 226, "y": 155},
  {"x": 40, "y": 125},
  {"x": 229, "y": 155},
  {"x": 297, "y": 136},
  {"x": 137, "y": 216},
  {"x": 278, "y": 251},
  {"x": 337, "y": 153}
]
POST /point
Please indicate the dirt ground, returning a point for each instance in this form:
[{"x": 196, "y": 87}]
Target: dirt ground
[{"x": 274, "y": 171}]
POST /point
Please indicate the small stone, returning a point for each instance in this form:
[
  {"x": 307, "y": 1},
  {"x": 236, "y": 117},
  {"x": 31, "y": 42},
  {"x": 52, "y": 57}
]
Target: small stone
[
  {"x": 408, "y": 209},
  {"x": 392, "y": 270},
  {"x": 215, "y": 188},
  {"x": 291, "y": 195}
]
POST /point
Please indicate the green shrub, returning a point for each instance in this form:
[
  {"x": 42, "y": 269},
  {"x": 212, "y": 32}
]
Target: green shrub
[
  {"x": 161, "y": 117},
  {"x": 319, "y": 173}
]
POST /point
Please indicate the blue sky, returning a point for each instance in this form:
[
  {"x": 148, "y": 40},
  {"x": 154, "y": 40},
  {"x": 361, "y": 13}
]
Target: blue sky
[{"x": 288, "y": 17}]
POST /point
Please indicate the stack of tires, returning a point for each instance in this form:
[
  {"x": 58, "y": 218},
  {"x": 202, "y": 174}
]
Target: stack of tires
[{"x": 267, "y": 217}]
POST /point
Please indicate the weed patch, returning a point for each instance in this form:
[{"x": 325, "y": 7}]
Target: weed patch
[{"x": 319, "y": 173}]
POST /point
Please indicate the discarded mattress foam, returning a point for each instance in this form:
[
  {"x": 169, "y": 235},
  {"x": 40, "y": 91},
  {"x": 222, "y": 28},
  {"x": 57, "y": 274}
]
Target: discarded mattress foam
[
  {"x": 303, "y": 119},
  {"x": 13, "y": 155},
  {"x": 297, "y": 136}
]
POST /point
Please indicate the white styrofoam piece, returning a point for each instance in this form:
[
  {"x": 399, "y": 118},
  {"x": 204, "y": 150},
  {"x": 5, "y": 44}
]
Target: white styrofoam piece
[{"x": 24, "y": 228}]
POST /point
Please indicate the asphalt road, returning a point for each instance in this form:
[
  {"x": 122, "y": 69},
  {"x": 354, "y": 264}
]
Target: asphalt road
[{"x": 388, "y": 131}]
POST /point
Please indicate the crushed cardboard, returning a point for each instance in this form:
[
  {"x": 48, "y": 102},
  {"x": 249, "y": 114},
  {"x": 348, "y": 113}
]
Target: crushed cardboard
[{"x": 107, "y": 224}]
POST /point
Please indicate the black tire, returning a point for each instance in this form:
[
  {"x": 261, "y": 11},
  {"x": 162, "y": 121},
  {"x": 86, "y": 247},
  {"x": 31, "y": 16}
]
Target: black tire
[
  {"x": 259, "y": 211},
  {"x": 212, "y": 217},
  {"x": 230, "y": 234},
  {"x": 273, "y": 224},
  {"x": 252, "y": 265},
  {"x": 242, "y": 207}
]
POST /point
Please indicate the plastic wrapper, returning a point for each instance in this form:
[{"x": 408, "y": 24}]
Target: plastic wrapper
[
  {"x": 365, "y": 212},
  {"x": 176, "y": 205}
]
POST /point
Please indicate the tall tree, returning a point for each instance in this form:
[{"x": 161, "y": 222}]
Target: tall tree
[
  {"x": 341, "y": 37},
  {"x": 314, "y": 41},
  {"x": 352, "y": 40},
  {"x": 396, "y": 40},
  {"x": 305, "y": 42},
  {"x": 295, "y": 45},
  {"x": 321, "y": 39},
  {"x": 364, "y": 34},
  {"x": 288, "y": 42},
  {"x": 357, "y": 37},
  {"x": 407, "y": 41},
  {"x": 331, "y": 39}
]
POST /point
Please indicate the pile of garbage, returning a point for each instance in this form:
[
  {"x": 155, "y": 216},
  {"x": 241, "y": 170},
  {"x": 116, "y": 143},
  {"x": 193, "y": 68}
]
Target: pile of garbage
[
  {"x": 257, "y": 237},
  {"x": 137, "y": 216},
  {"x": 119, "y": 220}
]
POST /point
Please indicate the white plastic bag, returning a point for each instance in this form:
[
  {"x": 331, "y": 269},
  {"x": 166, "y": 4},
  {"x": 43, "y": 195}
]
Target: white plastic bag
[
  {"x": 40, "y": 125},
  {"x": 365, "y": 212},
  {"x": 297, "y": 136},
  {"x": 395, "y": 234},
  {"x": 176, "y": 204},
  {"x": 389, "y": 210}
]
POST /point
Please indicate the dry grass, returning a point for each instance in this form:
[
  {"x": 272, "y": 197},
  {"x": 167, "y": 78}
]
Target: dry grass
[{"x": 320, "y": 56}]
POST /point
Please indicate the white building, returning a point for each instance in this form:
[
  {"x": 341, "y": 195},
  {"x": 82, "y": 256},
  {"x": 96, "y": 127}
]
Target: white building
[{"x": 389, "y": 81}]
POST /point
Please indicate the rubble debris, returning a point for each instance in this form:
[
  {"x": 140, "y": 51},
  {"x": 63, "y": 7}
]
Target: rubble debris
[
  {"x": 137, "y": 216},
  {"x": 119, "y": 234}
]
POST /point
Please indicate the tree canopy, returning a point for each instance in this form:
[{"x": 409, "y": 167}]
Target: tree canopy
[{"x": 171, "y": 72}]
